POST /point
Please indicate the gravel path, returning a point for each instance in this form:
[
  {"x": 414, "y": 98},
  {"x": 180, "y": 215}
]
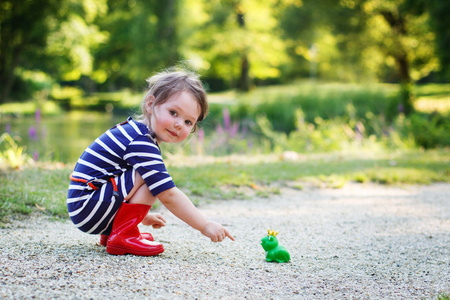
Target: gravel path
[{"x": 361, "y": 241}]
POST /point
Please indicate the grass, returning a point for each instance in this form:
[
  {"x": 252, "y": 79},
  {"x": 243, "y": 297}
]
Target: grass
[
  {"x": 42, "y": 188},
  {"x": 325, "y": 170},
  {"x": 443, "y": 296},
  {"x": 29, "y": 108},
  {"x": 433, "y": 98},
  {"x": 324, "y": 100},
  {"x": 38, "y": 188}
]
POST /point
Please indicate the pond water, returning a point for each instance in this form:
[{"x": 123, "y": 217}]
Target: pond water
[
  {"x": 59, "y": 138},
  {"x": 64, "y": 137}
]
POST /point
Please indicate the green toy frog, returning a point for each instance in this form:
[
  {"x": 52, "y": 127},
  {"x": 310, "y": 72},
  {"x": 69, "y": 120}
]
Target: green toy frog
[{"x": 274, "y": 251}]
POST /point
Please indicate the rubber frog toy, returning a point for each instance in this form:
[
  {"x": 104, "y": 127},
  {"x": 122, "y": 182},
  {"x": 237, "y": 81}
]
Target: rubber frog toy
[{"x": 274, "y": 251}]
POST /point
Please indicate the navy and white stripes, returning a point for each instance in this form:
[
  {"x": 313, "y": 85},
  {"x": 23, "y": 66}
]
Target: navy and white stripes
[{"x": 118, "y": 153}]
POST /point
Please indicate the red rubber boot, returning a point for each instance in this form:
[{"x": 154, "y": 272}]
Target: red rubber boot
[
  {"x": 125, "y": 236},
  {"x": 145, "y": 235}
]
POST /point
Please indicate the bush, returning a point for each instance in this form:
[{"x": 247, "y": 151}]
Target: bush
[
  {"x": 430, "y": 131},
  {"x": 12, "y": 155},
  {"x": 323, "y": 101}
]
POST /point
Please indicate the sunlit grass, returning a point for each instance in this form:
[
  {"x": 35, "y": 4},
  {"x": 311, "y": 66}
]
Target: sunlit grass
[
  {"x": 43, "y": 187},
  {"x": 433, "y": 98},
  {"x": 36, "y": 188},
  {"x": 439, "y": 104},
  {"x": 325, "y": 170},
  {"x": 29, "y": 108},
  {"x": 317, "y": 89},
  {"x": 432, "y": 89},
  {"x": 430, "y": 97}
]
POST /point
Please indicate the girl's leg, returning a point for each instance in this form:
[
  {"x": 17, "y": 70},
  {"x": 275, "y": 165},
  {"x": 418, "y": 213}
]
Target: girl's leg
[
  {"x": 125, "y": 236},
  {"x": 139, "y": 194}
]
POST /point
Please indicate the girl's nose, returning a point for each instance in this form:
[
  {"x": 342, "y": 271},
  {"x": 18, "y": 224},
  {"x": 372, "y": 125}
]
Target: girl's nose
[{"x": 177, "y": 124}]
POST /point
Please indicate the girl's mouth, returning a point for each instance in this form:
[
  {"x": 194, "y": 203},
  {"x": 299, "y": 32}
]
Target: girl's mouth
[{"x": 172, "y": 133}]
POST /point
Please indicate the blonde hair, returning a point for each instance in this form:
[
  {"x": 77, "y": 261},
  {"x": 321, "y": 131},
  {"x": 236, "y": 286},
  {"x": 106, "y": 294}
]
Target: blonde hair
[{"x": 172, "y": 81}]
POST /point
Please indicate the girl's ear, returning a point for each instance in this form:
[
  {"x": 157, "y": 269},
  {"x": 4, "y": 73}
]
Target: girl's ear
[{"x": 149, "y": 102}]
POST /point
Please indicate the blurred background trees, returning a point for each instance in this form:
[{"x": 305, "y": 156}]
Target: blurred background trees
[
  {"x": 106, "y": 45},
  {"x": 283, "y": 75}
]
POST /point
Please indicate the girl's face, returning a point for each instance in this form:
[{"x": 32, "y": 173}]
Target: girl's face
[{"x": 173, "y": 121}]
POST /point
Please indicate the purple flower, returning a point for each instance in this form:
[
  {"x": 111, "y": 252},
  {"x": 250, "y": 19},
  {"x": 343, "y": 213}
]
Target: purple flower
[
  {"x": 226, "y": 119},
  {"x": 201, "y": 136},
  {"x": 32, "y": 132},
  {"x": 8, "y": 128},
  {"x": 37, "y": 116},
  {"x": 35, "y": 155},
  {"x": 234, "y": 129},
  {"x": 219, "y": 130}
]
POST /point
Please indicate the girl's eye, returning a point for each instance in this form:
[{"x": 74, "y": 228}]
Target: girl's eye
[
  {"x": 173, "y": 113},
  {"x": 188, "y": 122}
]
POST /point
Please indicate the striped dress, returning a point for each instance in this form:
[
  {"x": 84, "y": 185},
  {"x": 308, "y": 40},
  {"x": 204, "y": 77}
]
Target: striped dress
[{"x": 117, "y": 154}]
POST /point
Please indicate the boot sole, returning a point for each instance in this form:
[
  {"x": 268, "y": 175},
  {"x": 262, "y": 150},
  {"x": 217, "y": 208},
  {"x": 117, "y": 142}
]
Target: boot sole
[
  {"x": 104, "y": 242},
  {"x": 122, "y": 251}
]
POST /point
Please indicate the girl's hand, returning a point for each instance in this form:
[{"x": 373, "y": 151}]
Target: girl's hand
[
  {"x": 155, "y": 220},
  {"x": 216, "y": 232}
]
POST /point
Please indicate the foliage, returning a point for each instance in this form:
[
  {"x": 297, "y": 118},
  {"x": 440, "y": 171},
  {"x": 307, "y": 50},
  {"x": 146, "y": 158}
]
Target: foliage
[
  {"x": 330, "y": 117},
  {"x": 363, "y": 145},
  {"x": 56, "y": 37},
  {"x": 100, "y": 45},
  {"x": 300, "y": 117},
  {"x": 350, "y": 40},
  {"x": 23, "y": 30},
  {"x": 72, "y": 42},
  {"x": 229, "y": 32},
  {"x": 12, "y": 156},
  {"x": 43, "y": 187},
  {"x": 143, "y": 38},
  {"x": 441, "y": 26},
  {"x": 430, "y": 131},
  {"x": 443, "y": 296}
]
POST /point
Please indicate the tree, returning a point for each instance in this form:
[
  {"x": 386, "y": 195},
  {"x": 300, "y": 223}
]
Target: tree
[
  {"x": 243, "y": 83},
  {"x": 53, "y": 36},
  {"x": 23, "y": 30},
  {"x": 232, "y": 42},
  {"x": 440, "y": 22},
  {"x": 305, "y": 27},
  {"x": 402, "y": 32},
  {"x": 72, "y": 42},
  {"x": 388, "y": 40},
  {"x": 143, "y": 37}
]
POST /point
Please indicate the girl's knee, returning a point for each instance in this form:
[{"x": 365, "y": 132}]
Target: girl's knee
[{"x": 140, "y": 194}]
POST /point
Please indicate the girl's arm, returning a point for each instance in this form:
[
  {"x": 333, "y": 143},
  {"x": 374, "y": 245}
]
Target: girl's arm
[{"x": 180, "y": 205}]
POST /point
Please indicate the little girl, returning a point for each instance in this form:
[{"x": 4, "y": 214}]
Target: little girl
[{"x": 121, "y": 174}]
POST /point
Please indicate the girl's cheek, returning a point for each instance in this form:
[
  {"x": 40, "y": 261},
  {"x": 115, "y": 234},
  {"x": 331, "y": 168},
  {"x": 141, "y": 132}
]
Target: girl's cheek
[{"x": 186, "y": 133}]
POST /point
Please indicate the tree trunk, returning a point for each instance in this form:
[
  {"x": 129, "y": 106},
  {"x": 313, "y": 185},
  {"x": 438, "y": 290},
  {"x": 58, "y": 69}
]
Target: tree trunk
[
  {"x": 244, "y": 79},
  {"x": 7, "y": 76},
  {"x": 399, "y": 28},
  {"x": 406, "y": 86},
  {"x": 243, "y": 83}
]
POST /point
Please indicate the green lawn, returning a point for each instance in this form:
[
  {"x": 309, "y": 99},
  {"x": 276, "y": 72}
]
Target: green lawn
[{"x": 43, "y": 188}]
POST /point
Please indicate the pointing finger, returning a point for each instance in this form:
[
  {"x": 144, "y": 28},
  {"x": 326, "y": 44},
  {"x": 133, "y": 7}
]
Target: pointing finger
[{"x": 229, "y": 235}]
